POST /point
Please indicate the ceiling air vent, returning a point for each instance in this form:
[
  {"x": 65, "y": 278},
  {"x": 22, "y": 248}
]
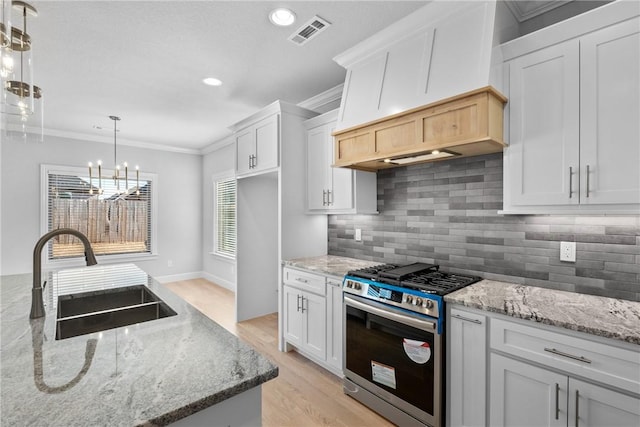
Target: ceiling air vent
[{"x": 309, "y": 30}]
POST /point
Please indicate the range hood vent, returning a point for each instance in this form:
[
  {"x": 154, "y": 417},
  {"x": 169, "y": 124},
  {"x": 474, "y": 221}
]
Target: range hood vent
[
  {"x": 420, "y": 157},
  {"x": 425, "y": 83},
  {"x": 310, "y": 30}
]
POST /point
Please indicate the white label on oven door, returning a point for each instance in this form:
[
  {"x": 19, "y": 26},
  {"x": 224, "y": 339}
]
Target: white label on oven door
[
  {"x": 418, "y": 351},
  {"x": 383, "y": 374}
]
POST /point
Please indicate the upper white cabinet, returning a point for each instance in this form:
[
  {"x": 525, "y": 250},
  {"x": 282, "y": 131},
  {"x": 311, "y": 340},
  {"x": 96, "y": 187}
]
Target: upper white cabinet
[
  {"x": 331, "y": 189},
  {"x": 441, "y": 50},
  {"x": 574, "y": 139},
  {"x": 257, "y": 147}
]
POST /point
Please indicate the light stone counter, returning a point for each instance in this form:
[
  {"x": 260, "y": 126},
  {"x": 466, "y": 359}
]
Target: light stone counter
[
  {"x": 150, "y": 373},
  {"x": 605, "y": 317},
  {"x": 331, "y": 265}
]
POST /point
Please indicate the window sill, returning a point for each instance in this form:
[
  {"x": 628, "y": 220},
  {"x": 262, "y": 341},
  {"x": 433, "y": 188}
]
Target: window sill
[
  {"x": 225, "y": 258},
  {"x": 102, "y": 259}
]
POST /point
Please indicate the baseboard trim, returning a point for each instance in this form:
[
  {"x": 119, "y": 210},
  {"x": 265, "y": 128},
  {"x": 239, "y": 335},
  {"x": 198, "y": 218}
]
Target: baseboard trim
[{"x": 219, "y": 281}]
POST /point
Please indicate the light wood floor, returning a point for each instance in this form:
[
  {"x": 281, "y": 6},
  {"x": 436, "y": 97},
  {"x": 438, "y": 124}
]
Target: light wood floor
[{"x": 303, "y": 394}]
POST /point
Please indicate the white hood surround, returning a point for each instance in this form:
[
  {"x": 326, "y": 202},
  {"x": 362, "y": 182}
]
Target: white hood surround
[{"x": 441, "y": 50}]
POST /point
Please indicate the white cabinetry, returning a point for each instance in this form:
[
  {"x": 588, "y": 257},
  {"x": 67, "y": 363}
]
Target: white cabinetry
[
  {"x": 527, "y": 374},
  {"x": 331, "y": 189},
  {"x": 526, "y": 395},
  {"x": 257, "y": 147},
  {"x": 574, "y": 104},
  {"x": 305, "y": 321},
  {"x": 548, "y": 378},
  {"x": 466, "y": 368},
  {"x": 271, "y": 206},
  {"x": 312, "y": 317}
]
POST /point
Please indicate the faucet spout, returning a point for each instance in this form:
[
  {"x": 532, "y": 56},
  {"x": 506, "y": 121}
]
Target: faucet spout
[{"x": 37, "y": 303}]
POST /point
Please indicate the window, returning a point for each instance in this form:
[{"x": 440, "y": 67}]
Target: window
[
  {"x": 225, "y": 217},
  {"x": 118, "y": 223}
]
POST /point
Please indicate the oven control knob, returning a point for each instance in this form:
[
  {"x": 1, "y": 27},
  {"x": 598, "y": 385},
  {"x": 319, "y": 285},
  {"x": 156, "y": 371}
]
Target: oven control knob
[
  {"x": 349, "y": 284},
  {"x": 417, "y": 301},
  {"x": 408, "y": 299},
  {"x": 357, "y": 286},
  {"x": 427, "y": 303}
]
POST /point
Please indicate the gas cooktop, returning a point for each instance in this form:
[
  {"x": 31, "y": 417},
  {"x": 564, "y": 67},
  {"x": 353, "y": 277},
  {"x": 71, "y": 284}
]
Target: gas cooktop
[{"x": 426, "y": 278}]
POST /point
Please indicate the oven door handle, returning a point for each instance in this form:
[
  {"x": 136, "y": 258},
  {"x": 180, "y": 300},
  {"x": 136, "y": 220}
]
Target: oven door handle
[{"x": 424, "y": 325}]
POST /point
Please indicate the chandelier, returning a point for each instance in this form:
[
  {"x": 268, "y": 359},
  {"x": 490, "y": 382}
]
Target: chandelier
[
  {"x": 19, "y": 92},
  {"x": 120, "y": 182}
]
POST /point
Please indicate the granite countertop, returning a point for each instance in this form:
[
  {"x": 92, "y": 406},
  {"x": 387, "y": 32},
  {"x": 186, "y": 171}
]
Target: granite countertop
[
  {"x": 602, "y": 316},
  {"x": 329, "y": 264},
  {"x": 150, "y": 373}
]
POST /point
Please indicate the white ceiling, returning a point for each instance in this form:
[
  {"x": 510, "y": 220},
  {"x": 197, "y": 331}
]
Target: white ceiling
[{"x": 145, "y": 61}]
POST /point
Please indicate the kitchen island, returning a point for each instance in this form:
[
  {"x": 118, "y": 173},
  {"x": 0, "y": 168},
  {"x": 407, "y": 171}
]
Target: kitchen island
[{"x": 151, "y": 373}]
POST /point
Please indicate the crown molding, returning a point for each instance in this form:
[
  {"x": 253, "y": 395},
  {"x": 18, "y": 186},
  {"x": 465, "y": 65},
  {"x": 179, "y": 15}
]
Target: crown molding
[{"x": 323, "y": 98}]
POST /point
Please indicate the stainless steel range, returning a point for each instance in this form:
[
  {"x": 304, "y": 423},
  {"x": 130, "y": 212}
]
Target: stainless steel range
[{"x": 394, "y": 341}]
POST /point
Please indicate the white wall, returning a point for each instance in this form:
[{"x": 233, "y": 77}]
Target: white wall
[
  {"x": 216, "y": 269},
  {"x": 179, "y": 199}
]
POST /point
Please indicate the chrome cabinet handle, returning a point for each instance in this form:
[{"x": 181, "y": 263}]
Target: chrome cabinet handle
[
  {"x": 329, "y": 197},
  {"x": 298, "y": 302},
  {"x": 557, "y": 401},
  {"x": 577, "y": 408},
  {"x": 300, "y": 279},
  {"x": 250, "y": 162},
  {"x": 588, "y": 180},
  {"x": 570, "y": 356},
  {"x": 324, "y": 197},
  {"x": 466, "y": 319},
  {"x": 570, "y": 182},
  {"x": 303, "y": 309}
]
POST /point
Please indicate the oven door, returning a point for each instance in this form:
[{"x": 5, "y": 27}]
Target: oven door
[{"x": 394, "y": 355}]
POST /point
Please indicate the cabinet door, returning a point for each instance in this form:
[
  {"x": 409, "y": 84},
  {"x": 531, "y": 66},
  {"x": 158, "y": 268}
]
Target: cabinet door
[
  {"x": 340, "y": 179},
  {"x": 334, "y": 324},
  {"x": 592, "y": 405},
  {"x": 467, "y": 369},
  {"x": 317, "y": 161},
  {"x": 543, "y": 155},
  {"x": 245, "y": 148},
  {"x": 315, "y": 328},
  {"x": 292, "y": 323},
  {"x": 526, "y": 395},
  {"x": 267, "y": 138},
  {"x": 610, "y": 107}
]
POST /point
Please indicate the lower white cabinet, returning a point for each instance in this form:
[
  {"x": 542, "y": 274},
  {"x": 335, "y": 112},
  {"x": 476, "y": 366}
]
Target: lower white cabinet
[
  {"x": 467, "y": 380},
  {"x": 305, "y": 321},
  {"x": 523, "y": 394},
  {"x": 527, "y": 374},
  {"x": 312, "y": 317}
]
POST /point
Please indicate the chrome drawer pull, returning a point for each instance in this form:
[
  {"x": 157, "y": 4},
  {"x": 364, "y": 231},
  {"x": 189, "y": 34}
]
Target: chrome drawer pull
[
  {"x": 299, "y": 279},
  {"x": 588, "y": 180},
  {"x": 557, "y": 401},
  {"x": 570, "y": 356},
  {"x": 570, "y": 182},
  {"x": 577, "y": 408},
  {"x": 466, "y": 319}
]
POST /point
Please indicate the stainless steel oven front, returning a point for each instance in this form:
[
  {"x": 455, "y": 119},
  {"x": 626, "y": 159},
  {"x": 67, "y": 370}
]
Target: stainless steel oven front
[{"x": 393, "y": 362}]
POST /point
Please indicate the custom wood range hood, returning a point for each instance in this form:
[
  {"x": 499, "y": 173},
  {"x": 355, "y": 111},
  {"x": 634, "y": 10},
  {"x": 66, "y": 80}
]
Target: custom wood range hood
[
  {"x": 469, "y": 124},
  {"x": 423, "y": 89}
]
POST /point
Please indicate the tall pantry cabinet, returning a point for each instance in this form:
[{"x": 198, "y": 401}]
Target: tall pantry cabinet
[
  {"x": 271, "y": 202},
  {"x": 574, "y": 103}
]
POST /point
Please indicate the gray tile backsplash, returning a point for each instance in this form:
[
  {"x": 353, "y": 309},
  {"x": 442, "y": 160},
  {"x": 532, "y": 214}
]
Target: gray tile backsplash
[{"x": 446, "y": 213}]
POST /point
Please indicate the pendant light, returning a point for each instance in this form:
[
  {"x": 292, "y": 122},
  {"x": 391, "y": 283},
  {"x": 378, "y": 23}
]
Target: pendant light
[
  {"x": 19, "y": 93},
  {"x": 120, "y": 182}
]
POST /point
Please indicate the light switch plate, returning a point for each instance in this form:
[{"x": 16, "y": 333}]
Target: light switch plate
[
  {"x": 358, "y": 235},
  {"x": 568, "y": 251}
]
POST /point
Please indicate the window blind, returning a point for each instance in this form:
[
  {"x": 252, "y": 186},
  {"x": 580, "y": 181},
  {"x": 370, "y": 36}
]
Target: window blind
[
  {"x": 225, "y": 219},
  {"x": 116, "y": 221}
]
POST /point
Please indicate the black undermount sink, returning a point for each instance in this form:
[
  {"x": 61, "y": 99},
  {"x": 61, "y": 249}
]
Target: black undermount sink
[{"x": 95, "y": 311}]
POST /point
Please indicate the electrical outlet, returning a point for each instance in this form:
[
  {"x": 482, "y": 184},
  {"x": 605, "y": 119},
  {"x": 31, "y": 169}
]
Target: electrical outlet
[
  {"x": 358, "y": 235},
  {"x": 568, "y": 251}
]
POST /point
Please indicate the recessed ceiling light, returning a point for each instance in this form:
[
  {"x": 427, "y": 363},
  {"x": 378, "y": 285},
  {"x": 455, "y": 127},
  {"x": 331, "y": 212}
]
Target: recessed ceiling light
[
  {"x": 211, "y": 81},
  {"x": 282, "y": 17}
]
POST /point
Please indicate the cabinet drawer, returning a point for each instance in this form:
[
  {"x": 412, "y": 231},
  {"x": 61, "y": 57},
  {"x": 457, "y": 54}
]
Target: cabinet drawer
[
  {"x": 305, "y": 281},
  {"x": 615, "y": 366}
]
